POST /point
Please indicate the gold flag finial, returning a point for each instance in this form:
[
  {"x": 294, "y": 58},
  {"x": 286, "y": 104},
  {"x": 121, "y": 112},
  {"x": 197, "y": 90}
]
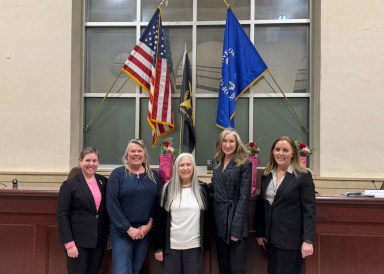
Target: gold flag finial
[
  {"x": 226, "y": 3},
  {"x": 162, "y": 2}
]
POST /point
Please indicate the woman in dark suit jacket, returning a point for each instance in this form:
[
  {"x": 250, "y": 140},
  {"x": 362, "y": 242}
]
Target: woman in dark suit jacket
[
  {"x": 82, "y": 216},
  {"x": 182, "y": 230},
  {"x": 231, "y": 181},
  {"x": 286, "y": 209}
]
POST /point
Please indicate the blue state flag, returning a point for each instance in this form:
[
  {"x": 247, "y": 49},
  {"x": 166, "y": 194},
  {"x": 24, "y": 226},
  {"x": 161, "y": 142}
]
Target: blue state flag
[{"x": 241, "y": 66}]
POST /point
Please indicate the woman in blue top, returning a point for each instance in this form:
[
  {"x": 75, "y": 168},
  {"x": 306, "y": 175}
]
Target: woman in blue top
[{"x": 132, "y": 195}]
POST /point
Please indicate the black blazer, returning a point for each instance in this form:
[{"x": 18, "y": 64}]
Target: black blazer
[
  {"x": 232, "y": 192},
  {"x": 77, "y": 217},
  {"x": 162, "y": 229},
  {"x": 291, "y": 219}
]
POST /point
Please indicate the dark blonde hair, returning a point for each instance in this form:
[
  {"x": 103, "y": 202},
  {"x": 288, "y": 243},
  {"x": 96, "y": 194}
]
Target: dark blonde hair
[
  {"x": 89, "y": 150},
  {"x": 145, "y": 164},
  {"x": 296, "y": 164},
  {"x": 241, "y": 152}
]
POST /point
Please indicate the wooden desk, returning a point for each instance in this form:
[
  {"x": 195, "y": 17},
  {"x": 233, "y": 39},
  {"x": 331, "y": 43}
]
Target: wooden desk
[{"x": 349, "y": 237}]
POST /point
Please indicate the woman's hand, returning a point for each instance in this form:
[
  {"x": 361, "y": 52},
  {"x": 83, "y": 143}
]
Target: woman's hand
[
  {"x": 159, "y": 256},
  {"x": 262, "y": 241},
  {"x": 234, "y": 239},
  {"x": 135, "y": 233},
  {"x": 72, "y": 252},
  {"x": 306, "y": 249},
  {"x": 144, "y": 229}
]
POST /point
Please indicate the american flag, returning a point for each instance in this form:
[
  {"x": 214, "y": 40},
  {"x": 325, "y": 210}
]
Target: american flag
[{"x": 147, "y": 65}]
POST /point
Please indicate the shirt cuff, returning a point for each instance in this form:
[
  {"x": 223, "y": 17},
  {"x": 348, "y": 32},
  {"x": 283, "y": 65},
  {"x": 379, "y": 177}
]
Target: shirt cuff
[{"x": 69, "y": 245}]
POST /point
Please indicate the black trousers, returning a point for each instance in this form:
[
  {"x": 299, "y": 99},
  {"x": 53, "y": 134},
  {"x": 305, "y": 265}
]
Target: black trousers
[
  {"x": 88, "y": 261},
  {"x": 231, "y": 258},
  {"x": 188, "y": 261},
  {"x": 282, "y": 261}
]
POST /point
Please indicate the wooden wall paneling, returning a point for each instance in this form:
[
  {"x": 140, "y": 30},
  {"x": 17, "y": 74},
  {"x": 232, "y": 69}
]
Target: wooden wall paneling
[{"x": 17, "y": 252}]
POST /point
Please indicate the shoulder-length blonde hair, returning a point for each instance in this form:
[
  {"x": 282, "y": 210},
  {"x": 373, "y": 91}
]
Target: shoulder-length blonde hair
[
  {"x": 172, "y": 190},
  {"x": 241, "y": 152},
  {"x": 145, "y": 164},
  {"x": 296, "y": 164}
]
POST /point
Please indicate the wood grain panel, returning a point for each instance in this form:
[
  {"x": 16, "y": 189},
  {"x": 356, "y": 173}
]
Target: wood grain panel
[{"x": 17, "y": 250}]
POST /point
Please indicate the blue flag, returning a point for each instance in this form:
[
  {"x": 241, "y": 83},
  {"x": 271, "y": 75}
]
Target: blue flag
[{"x": 241, "y": 66}]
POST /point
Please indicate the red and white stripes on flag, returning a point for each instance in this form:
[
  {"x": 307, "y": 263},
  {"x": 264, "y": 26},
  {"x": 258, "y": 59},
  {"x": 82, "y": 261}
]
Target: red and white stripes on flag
[{"x": 147, "y": 65}]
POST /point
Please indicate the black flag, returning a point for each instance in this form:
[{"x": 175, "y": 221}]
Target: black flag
[{"x": 186, "y": 107}]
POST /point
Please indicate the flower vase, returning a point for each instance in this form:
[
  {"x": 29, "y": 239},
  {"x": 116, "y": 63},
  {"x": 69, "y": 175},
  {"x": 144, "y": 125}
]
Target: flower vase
[
  {"x": 165, "y": 168},
  {"x": 255, "y": 163},
  {"x": 303, "y": 159}
]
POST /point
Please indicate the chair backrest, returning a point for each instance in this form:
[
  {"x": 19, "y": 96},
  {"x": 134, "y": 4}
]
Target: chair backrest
[{"x": 74, "y": 171}]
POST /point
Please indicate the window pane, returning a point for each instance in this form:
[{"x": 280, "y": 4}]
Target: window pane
[
  {"x": 111, "y": 11},
  {"x": 179, "y": 37},
  {"x": 209, "y": 52},
  {"x": 281, "y": 9},
  {"x": 272, "y": 118},
  {"x": 206, "y": 129},
  {"x": 285, "y": 51},
  {"x": 112, "y": 128},
  {"x": 177, "y": 10},
  {"x": 214, "y": 10},
  {"x": 107, "y": 51}
]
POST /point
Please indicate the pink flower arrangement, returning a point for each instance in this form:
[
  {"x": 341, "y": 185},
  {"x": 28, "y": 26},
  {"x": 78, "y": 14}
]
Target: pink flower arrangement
[
  {"x": 253, "y": 148},
  {"x": 167, "y": 148},
  {"x": 303, "y": 149}
]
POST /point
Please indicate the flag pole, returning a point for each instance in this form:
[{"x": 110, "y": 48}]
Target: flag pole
[
  {"x": 289, "y": 104},
  {"x": 101, "y": 103},
  {"x": 226, "y": 3},
  {"x": 180, "y": 135}
]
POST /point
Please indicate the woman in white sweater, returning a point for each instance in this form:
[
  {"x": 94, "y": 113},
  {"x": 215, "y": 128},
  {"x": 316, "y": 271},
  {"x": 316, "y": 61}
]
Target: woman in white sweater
[{"x": 182, "y": 225}]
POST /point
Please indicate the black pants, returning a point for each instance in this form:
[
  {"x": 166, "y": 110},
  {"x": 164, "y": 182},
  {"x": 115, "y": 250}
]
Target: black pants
[
  {"x": 88, "y": 261},
  {"x": 231, "y": 258},
  {"x": 282, "y": 261},
  {"x": 190, "y": 261}
]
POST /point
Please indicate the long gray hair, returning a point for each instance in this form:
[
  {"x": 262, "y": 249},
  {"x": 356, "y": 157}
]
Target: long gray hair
[{"x": 172, "y": 189}]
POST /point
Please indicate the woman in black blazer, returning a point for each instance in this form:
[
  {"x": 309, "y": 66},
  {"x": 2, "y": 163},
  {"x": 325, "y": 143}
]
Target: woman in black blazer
[
  {"x": 182, "y": 230},
  {"x": 286, "y": 209},
  {"x": 231, "y": 181},
  {"x": 82, "y": 216}
]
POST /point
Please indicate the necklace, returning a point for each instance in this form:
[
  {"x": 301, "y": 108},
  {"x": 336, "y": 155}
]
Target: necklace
[
  {"x": 137, "y": 172},
  {"x": 187, "y": 185}
]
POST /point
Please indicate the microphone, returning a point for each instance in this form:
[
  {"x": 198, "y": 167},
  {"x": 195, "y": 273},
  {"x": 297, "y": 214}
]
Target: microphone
[
  {"x": 14, "y": 183},
  {"x": 374, "y": 184}
]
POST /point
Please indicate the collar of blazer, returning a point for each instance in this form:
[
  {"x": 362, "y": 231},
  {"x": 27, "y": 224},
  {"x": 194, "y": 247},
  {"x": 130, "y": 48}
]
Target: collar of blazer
[{"x": 283, "y": 185}]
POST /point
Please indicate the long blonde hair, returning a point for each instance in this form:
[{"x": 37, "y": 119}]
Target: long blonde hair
[
  {"x": 145, "y": 164},
  {"x": 296, "y": 164},
  {"x": 172, "y": 189},
  {"x": 241, "y": 152}
]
